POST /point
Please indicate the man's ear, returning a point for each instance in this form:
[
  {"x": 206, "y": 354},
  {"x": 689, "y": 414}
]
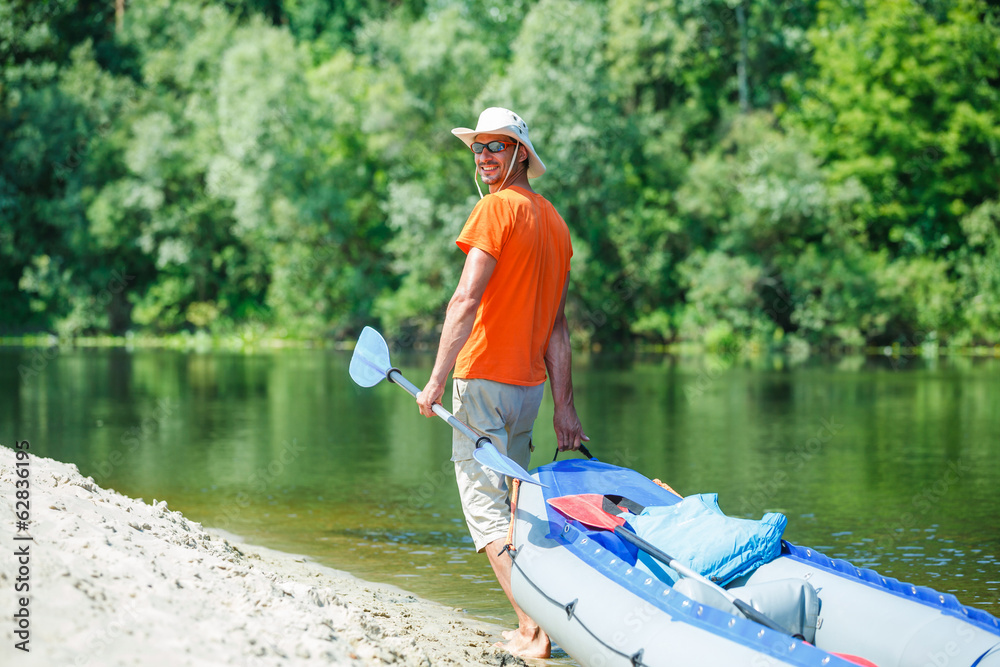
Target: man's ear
[{"x": 522, "y": 153}]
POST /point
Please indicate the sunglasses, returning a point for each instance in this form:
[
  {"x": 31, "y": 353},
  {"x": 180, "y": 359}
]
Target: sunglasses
[{"x": 493, "y": 146}]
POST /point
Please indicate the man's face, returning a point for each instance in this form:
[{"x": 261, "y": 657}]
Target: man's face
[{"x": 492, "y": 167}]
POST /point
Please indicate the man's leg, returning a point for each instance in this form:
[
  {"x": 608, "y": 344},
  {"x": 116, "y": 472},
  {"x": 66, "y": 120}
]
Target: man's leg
[
  {"x": 529, "y": 640},
  {"x": 506, "y": 414},
  {"x": 488, "y": 523}
]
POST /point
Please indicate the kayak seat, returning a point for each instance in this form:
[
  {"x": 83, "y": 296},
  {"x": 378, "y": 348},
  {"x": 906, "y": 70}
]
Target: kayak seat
[{"x": 791, "y": 603}]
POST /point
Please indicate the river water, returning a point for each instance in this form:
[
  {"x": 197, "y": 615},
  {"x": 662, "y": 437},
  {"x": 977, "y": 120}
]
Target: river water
[{"x": 890, "y": 463}]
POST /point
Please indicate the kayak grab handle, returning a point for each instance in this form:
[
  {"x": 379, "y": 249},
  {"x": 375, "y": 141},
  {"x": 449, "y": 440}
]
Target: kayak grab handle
[{"x": 583, "y": 450}]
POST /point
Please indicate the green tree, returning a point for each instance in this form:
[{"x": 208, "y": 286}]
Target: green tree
[
  {"x": 753, "y": 205},
  {"x": 905, "y": 100},
  {"x": 160, "y": 206},
  {"x": 978, "y": 267},
  {"x": 422, "y": 82},
  {"x": 730, "y": 170},
  {"x": 558, "y": 79},
  {"x": 59, "y": 99}
]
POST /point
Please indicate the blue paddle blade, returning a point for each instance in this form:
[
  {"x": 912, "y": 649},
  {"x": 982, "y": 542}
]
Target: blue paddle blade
[
  {"x": 490, "y": 457},
  {"x": 370, "y": 362}
]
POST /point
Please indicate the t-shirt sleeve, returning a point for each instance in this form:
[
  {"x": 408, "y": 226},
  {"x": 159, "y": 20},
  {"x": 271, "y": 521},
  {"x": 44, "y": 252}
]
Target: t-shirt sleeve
[{"x": 486, "y": 227}]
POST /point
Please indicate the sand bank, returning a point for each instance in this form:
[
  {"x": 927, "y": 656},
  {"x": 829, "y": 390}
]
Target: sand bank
[{"x": 112, "y": 580}]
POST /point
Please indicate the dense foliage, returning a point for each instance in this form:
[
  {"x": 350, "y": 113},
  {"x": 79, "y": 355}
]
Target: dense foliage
[{"x": 813, "y": 173}]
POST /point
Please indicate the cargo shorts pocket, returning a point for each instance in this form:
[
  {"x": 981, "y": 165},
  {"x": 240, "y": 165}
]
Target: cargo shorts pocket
[{"x": 473, "y": 404}]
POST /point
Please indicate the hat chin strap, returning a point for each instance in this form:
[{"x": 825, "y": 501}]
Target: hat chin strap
[{"x": 475, "y": 174}]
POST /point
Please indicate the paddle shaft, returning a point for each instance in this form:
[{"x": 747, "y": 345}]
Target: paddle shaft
[
  {"x": 395, "y": 376},
  {"x": 683, "y": 569}
]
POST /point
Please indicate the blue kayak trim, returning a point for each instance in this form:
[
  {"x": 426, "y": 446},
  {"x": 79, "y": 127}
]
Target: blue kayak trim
[
  {"x": 946, "y": 603},
  {"x": 616, "y": 560},
  {"x": 574, "y": 476},
  {"x": 660, "y": 596}
]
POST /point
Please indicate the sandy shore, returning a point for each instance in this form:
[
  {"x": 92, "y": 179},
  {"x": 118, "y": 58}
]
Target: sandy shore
[{"x": 113, "y": 580}]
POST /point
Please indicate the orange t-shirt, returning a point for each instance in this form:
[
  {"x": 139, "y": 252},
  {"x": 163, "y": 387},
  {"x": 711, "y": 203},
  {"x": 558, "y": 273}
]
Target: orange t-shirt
[{"x": 531, "y": 244}]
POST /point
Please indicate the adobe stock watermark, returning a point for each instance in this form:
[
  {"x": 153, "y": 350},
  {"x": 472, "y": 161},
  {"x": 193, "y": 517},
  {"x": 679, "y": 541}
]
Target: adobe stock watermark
[
  {"x": 258, "y": 482},
  {"x": 776, "y": 653},
  {"x": 432, "y": 482},
  {"x": 38, "y": 359},
  {"x": 889, "y": 533},
  {"x": 913, "y": 170},
  {"x": 623, "y": 290},
  {"x": 626, "y": 641},
  {"x": 710, "y": 31},
  {"x": 713, "y": 369},
  {"x": 944, "y": 653},
  {"x": 99, "y": 640},
  {"x": 117, "y": 284},
  {"x": 221, "y": 182},
  {"x": 623, "y": 458},
  {"x": 779, "y": 303},
  {"x": 764, "y": 492},
  {"x": 906, "y": 347},
  {"x": 403, "y": 341},
  {"x": 77, "y": 153},
  {"x": 133, "y": 438}
]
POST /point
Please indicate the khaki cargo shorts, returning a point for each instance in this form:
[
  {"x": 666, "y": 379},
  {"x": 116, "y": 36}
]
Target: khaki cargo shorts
[{"x": 506, "y": 413}]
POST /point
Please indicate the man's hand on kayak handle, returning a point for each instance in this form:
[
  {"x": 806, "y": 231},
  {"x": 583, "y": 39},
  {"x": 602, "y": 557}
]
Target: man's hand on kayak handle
[{"x": 569, "y": 431}]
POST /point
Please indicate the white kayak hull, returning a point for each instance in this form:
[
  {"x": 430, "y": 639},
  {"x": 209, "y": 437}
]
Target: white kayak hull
[{"x": 603, "y": 611}]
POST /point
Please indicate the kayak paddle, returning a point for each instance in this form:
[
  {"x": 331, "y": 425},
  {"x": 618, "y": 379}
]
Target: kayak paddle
[
  {"x": 588, "y": 509},
  {"x": 370, "y": 365}
]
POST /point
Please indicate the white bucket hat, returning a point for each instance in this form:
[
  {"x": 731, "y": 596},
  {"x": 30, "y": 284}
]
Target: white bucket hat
[{"x": 497, "y": 120}]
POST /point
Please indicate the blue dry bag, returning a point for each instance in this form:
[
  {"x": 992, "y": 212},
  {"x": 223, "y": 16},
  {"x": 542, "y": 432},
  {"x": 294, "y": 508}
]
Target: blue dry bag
[{"x": 697, "y": 533}]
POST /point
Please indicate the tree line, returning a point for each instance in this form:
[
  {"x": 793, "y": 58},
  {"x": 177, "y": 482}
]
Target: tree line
[{"x": 812, "y": 173}]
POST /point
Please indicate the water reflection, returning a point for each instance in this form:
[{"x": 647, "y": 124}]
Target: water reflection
[{"x": 889, "y": 465}]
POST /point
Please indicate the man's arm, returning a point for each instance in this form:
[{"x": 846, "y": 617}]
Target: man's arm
[
  {"x": 458, "y": 321},
  {"x": 558, "y": 361}
]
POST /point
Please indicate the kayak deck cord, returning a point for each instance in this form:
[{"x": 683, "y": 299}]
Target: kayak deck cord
[{"x": 570, "y": 608}]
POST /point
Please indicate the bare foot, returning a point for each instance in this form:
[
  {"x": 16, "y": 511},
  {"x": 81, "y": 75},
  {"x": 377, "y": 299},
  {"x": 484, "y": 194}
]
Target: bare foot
[{"x": 527, "y": 643}]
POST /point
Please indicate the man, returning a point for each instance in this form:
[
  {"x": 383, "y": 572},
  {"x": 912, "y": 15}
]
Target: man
[{"x": 503, "y": 329}]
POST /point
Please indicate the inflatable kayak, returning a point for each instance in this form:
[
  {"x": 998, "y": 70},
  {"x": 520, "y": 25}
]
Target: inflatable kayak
[{"x": 587, "y": 590}]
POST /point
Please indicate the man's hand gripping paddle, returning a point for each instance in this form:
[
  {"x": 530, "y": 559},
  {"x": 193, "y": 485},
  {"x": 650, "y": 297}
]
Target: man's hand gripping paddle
[{"x": 370, "y": 365}]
